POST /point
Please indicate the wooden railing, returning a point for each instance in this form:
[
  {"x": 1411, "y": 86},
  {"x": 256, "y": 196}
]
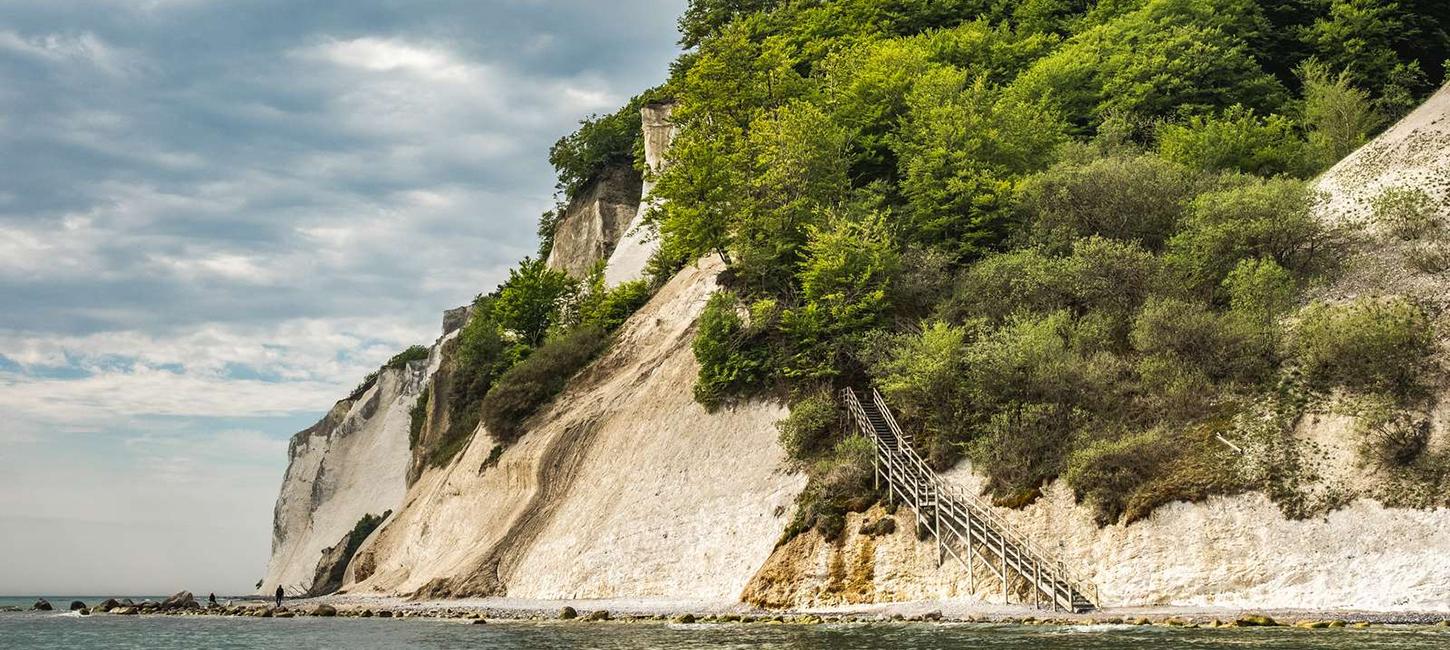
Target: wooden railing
[{"x": 955, "y": 518}]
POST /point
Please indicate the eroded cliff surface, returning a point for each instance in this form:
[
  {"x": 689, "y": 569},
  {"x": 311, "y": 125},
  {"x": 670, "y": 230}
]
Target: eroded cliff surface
[
  {"x": 595, "y": 221},
  {"x": 352, "y": 463},
  {"x": 630, "y": 257},
  {"x": 624, "y": 487}
]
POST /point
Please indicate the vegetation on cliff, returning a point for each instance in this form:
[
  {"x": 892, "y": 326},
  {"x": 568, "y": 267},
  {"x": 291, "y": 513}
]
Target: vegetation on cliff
[{"x": 1065, "y": 239}]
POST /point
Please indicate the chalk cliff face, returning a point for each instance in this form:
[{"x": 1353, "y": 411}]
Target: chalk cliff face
[
  {"x": 594, "y": 221},
  {"x": 624, "y": 487},
  {"x": 629, "y": 258},
  {"x": 350, "y": 464}
]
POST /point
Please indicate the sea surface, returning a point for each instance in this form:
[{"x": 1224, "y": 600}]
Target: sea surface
[{"x": 66, "y": 630}]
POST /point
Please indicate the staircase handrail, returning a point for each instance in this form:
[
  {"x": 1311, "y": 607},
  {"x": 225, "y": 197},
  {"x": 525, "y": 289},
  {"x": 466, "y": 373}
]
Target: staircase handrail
[{"x": 979, "y": 508}]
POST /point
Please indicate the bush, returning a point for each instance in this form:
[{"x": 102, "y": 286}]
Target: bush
[
  {"x": 1226, "y": 347},
  {"x": 840, "y": 483},
  {"x": 1256, "y": 219},
  {"x": 533, "y": 382},
  {"x": 417, "y": 417},
  {"x": 1368, "y": 345},
  {"x": 1260, "y": 287},
  {"x": 1105, "y": 473},
  {"x": 1389, "y": 436},
  {"x": 1236, "y": 140},
  {"x": 1023, "y": 446},
  {"x": 1128, "y": 198},
  {"x": 401, "y": 359},
  {"x": 1406, "y": 213},
  {"x": 808, "y": 427},
  {"x": 732, "y": 362}
]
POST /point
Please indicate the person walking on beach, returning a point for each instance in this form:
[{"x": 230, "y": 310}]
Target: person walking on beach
[{"x": 279, "y": 595}]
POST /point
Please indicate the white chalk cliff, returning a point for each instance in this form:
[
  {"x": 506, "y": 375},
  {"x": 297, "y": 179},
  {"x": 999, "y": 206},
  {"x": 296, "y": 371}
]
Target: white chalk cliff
[
  {"x": 625, "y": 487},
  {"x": 640, "y": 242}
]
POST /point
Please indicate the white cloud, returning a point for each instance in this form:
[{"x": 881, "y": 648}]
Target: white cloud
[{"x": 69, "y": 49}]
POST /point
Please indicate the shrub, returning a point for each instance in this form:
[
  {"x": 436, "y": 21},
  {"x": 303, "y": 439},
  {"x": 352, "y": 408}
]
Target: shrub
[
  {"x": 809, "y": 425},
  {"x": 731, "y": 361},
  {"x": 1236, "y": 140},
  {"x": 1406, "y": 213},
  {"x": 417, "y": 417},
  {"x": 1106, "y": 472},
  {"x": 529, "y": 302},
  {"x": 533, "y": 382},
  {"x": 840, "y": 483},
  {"x": 1227, "y": 347},
  {"x": 1367, "y": 345},
  {"x": 1389, "y": 436},
  {"x": 1256, "y": 219},
  {"x": 1128, "y": 198},
  {"x": 1260, "y": 287},
  {"x": 921, "y": 377},
  {"x": 617, "y": 305},
  {"x": 1024, "y": 446},
  {"x": 401, "y": 359}
]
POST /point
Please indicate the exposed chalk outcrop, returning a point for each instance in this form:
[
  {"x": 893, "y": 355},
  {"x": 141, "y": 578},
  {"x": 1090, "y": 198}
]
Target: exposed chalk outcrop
[
  {"x": 351, "y": 463},
  {"x": 595, "y": 220},
  {"x": 629, "y": 258},
  {"x": 624, "y": 487}
]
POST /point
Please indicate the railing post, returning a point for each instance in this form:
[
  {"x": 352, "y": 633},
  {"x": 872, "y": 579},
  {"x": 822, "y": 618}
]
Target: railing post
[
  {"x": 971, "y": 555},
  {"x": 1002, "y": 548},
  {"x": 941, "y": 549}
]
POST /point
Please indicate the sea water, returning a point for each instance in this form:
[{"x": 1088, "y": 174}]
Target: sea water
[{"x": 66, "y": 630}]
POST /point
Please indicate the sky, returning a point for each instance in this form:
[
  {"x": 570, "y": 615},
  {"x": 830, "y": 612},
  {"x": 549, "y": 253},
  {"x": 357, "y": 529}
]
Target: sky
[{"x": 217, "y": 217}]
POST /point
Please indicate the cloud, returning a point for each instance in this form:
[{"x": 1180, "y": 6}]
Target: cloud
[{"x": 216, "y": 218}]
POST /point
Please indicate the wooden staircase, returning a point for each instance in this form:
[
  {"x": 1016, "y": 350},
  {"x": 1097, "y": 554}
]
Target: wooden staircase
[{"x": 963, "y": 526}]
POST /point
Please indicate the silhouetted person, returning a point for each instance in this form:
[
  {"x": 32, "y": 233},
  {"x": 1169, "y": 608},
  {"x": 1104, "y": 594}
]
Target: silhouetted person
[
  {"x": 211, "y": 598},
  {"x": 279, "y": 595}
]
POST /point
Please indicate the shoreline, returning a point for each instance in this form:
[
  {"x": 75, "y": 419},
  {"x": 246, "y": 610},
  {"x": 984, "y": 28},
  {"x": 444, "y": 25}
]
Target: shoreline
[{"x": 479, "y": 610}]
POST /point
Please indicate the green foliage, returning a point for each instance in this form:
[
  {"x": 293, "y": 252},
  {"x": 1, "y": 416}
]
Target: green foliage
[
  {"x": 1389, "y": 436},
  {"x": 402, "y": 359},
  {"x": 1165, "y": 58},
  {"x": 1406, "y": 213},
  {"x": 417, "y": 417},
  {"x": 1340, "y": 117},
  {"x": 1224, "y": 346},
  {"x": 600, "y": 141},
  {"x": 1127, "y": 197},
  {"x": 957, "y": 183},
  {"x": 840, "y": 483},
  {"x": 533, "y": 382},
  {"x": 1260, "y": 287},
  {"x": 806, "y": 431},
  {"x": 1236, "y": 140},
  {"x": 731, "y": 361},
  {"x": 1255, "y": 219},
  {"x": 1371, "y": 345},
  {"x": 528, "y": 303}
]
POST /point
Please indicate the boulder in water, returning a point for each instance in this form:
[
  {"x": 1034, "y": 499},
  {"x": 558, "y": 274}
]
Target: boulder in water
[
  {"x": 568, "y": 613},
  {"x": 180, "y": 600},
  {"x": 41, "y": 605},
  {"x": 124, "y": 611},
  {"x": 324, "y": 609},
  {"x": 106, "y": 605},
  {"x": 76, "y": 605}
]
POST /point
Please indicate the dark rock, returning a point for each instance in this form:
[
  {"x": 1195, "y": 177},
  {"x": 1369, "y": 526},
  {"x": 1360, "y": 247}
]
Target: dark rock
[
  {"x": 598, "y": 615},
  {"x": 106, "y": 605},
  {"x": 367, "y": 613},
  {"x": 568, "y": 613},
  {"x": 84, "y": 611},
  {"x": 283, "y": 615},
  {"x": 76, "y": 605},
  {"x": 478, "y": 621},
  {"x": 180, "y": 600},
  {"x": 1255, "y": 620},
  {"x": 685, "y": 618},
  {"x": 883, "y": 526},
  {"x": 385, "y": 614},
  {"x": 42, "y": 605},
  {"x": 324, "y": 609},
  {"x": 124, "y": 611}
]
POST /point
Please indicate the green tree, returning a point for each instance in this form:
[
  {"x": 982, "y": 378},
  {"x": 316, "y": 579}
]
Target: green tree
[
  {"x": 528, "y": 303},
  {"x": 1339, "y": 116},
  {"x": 1236, "y": 140},
  {"x": 962, "y": 147}
]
